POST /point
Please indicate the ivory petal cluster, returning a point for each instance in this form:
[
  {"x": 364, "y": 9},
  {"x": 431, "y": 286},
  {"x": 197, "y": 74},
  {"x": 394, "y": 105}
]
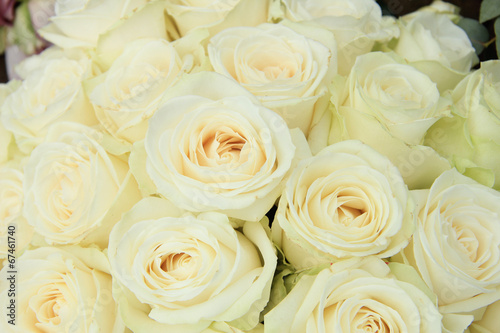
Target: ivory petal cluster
[
  {"x": 456, "y": 245},
  {"x": 11, "y": 211},
  {"x": 50, "y": 92},
  {"x": 399, "y": 104},
  {"x": 357, "y": 295},
  {"x": 216, "y": 148},
  {"x": 346, "y": 201},
  {"x": 74, "y": 190},
  {"x": 356, "y": 24},
  {"x": 216, "y": 15},
  {"x": 129, "y": 92},
  {"x": 287, "y": 71},
  {"x": 64, "y": 289},
  {"x": 178, "y": 272}
]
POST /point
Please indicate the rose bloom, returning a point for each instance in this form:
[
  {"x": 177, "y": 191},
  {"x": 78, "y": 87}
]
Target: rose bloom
[
  {"x": 51, "y": 92},
  {"x": 177, "y": 272},
  {"x": 70, "y": 26},
  {"x": 346, "y": 201},
  {"x": 6, "y": 137},
  {"x": 456, "y": 245},
  {"x": 357, "y": 24},
  {"x": 471, "y": 138},
  {"x": 60, "y": 290},
  {"x": 398, "y": 103},
  {"x": 11, "y": 217},
  {"x": 436, "y": 46},
  {"x": 216, "y": 15},
  {"x": 355, "y": 295},
  {"x": 213, "y": 147},
  {"x": 74, "y": 190},
  {"x": 129, "y": 92},
  {"x": 287, "y": 71}
]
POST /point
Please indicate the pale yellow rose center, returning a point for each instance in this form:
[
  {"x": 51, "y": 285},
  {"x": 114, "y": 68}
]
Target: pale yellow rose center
[
  {"x": 467, "y": 239},
  {"x": 173, "y": 264},
  {"x": 349, "y": 210},
  {"x": 368, "y": 321},
  {"x": 224, "y": 146},
  {"x": 65, "y": 190},
  {"x": 274, "y": 68},
  {"x": 48, "y": 303}
]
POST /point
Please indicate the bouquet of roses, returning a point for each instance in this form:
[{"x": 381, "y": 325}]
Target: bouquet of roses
[{"x": 250, "y": 166}]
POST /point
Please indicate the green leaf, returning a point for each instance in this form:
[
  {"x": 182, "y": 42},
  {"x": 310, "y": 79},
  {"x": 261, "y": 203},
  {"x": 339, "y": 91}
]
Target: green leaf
[
  {"x": 478, "y": 34},
  {"x": 489, "y": 10},
  {"x": 497, "y": 33}
]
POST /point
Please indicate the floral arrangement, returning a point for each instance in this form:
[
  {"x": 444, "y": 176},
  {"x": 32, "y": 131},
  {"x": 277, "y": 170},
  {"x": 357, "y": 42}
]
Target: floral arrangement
[{"x": 250, "y": 166}]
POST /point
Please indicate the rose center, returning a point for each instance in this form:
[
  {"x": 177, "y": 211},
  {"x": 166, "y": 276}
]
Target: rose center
[
  {"x": 178, "y": 265},
  {"x": 467, "y": 239},
  {"x": 368, "y": 321},
  {"x": 224, "y": 146},
  {"x": 272, "y": 69},
  {"x": 348, "y": 209},
  {"x": 48, "y": 303}
]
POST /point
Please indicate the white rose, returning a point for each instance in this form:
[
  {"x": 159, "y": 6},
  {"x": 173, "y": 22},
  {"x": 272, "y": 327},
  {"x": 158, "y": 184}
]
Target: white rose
[
  {"x": 6, "y": 137},
  {"x": 287, "y": 71},
  {"x": 471, "y": 140},
  {"x": 346, "y": 201},
  {"x": 12, "y": 222},
  {"x": 216, "y": 15},
  {"x": 78, "y": 23},
  {"x": 357, "y": 295},
  {"x": 215, "y": 148},
  {"x": 179, "y": 273},
  {"x": 51, "y": 92},
  {"x": 59, "y": 290},
  {"x": 74, "y": 190},
  {"x": 398, "y": 104},
  {"x": 436, "y": 46},
  {"x": 456, "y": 245},
  {"x": 128, "y": 94},
  {"x": 357, "y": 24}
]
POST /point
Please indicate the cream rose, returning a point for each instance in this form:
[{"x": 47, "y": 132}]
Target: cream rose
[
  {"x": 51, "y": 92},
  {"x": 436, "y": 46},
  {"x": 287, "y": 71},
  {"x": 6, "y": 137},
  {"x": 70, "y": 26},
  {"x": 359, "y": 295},
  {"x": 215, "y": 148},
  {"x": 74, "y": 190},
  {"x": 128, "y": 93},
  {"x": 347, "y": 201},
  {"x": 357, "y": 24},
  {"x": 470, "y": 139},
  {"x": 398, "y": 104},
  {"x": 177, "y": 272},
  {"x": 456, "y": 245},
  {"x": 11, "y": 217},
  {"x": 216, "y": 15},
  {"x": 59, "y": 290}
]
